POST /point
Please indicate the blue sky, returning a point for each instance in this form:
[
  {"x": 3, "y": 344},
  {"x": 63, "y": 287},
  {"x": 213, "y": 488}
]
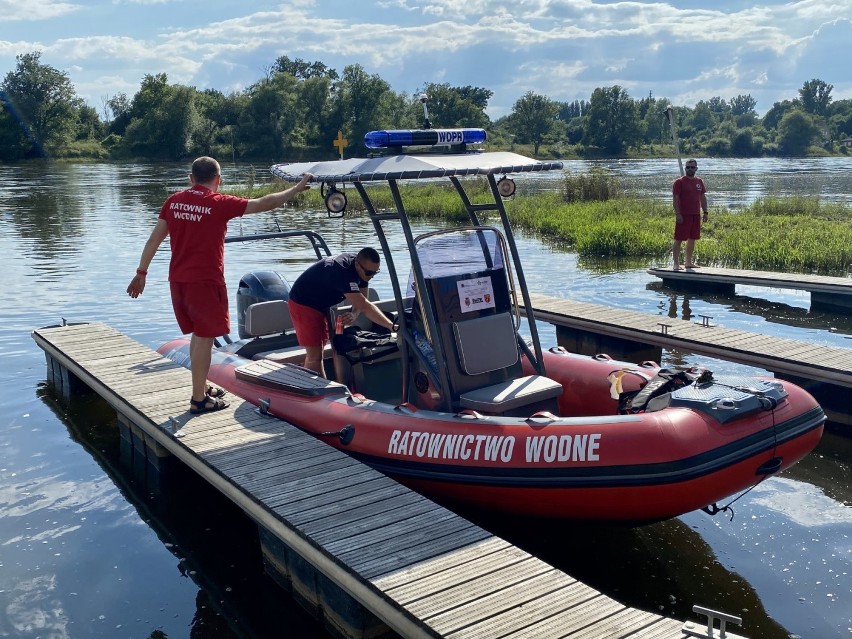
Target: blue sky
[{"x": 683, "y": 51}]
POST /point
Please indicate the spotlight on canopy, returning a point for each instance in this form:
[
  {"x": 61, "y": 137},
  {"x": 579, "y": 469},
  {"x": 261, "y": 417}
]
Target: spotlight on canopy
[
  {"x": 506, "y": 187},
  {"x": 335, "y": 201}
]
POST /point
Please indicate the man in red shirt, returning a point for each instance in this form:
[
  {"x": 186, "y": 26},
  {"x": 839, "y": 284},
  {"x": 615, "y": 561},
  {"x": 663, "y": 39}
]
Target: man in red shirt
[
  {"x": 689, "y": 200},
  {"x": 196, "y": 221}
]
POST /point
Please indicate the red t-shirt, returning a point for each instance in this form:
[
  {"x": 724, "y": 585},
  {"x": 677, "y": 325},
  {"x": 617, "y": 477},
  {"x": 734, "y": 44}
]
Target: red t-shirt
[
  {"x": 198, "y": 220},
  {"x": 689, "y": 191}
]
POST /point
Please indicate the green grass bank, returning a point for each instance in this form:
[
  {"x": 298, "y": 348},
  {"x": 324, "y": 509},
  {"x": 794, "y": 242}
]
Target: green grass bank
[{"x": 591, "y": 215}]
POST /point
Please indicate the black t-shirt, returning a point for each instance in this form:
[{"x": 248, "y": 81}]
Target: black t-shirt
[{"x": 324, "y": 283}]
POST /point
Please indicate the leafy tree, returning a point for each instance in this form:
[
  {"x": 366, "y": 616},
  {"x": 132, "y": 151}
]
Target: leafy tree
[
  {"x": 532, "y": 119},
  {"x": 652, "y": 112},
  {"x": 303, "y": 70},
  {"x": 796, "y": 132},
  {"x": 612, "y": 121},
  {"x": 475, "y": 95},
  {"x": 119, "y": 106},
  {"x": 574, "y": 130},
  {"x": 815, "y": 96},
  {"x": 743, "y": 105},
  {"x": 703, "y": 118},
  {"x": 362, "y": 103},
  {"x": 89, "y": 124},
  {"x": 718, "y": 106},
  {"x": 316, "y": 110},
  {"x": 742, "y": 108},
  {"x": 570, "y": 110},
  {"x": 268, "y": 121},
  {"x": 778, "y": 111},
  {"x": 452, "y": 107},
  {"x": 164, "y": 127},
  {"x": 742, "y": 143},
  {"x": 217, "y": 116},
  {"x": 153, "y": 90},
  {"x": 46, "y": 103},
  {"x": 841, "y": 117},
  {"x": 14, "y": 143}
]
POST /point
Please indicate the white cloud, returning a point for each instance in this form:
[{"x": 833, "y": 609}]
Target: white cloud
[
  {"x": 685, "y": 51},
  {"x": 34, "y": 10}
]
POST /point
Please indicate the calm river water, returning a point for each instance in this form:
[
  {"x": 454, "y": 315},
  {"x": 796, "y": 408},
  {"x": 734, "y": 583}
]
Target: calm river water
[{"x": 89, "y": 548}]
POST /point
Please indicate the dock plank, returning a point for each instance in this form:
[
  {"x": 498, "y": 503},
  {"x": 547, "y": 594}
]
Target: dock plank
[{"x": 538, "y": 598}]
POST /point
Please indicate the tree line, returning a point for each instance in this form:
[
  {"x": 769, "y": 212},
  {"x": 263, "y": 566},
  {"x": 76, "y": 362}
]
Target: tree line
[{"x": 297, "y": 108}]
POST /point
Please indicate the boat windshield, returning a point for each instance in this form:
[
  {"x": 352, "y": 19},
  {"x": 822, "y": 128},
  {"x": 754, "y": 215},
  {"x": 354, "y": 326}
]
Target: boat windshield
[{"x": 459, "y": 251}]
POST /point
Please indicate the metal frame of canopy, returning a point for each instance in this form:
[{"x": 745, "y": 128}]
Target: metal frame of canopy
[{"x": 392, "y": 169}]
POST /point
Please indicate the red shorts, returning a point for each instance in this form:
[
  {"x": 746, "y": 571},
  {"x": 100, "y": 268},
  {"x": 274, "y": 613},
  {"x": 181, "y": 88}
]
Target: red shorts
[
  {"x": 201, "y": 309},
  {"x": 311, "y": 325},
  {"x": 689, "y": 229}
]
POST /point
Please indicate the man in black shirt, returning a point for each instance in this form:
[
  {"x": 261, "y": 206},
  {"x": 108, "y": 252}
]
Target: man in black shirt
[{"x": 324, "y": 284}]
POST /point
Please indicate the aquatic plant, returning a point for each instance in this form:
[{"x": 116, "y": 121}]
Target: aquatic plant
[{"x": 592, "y": 217}]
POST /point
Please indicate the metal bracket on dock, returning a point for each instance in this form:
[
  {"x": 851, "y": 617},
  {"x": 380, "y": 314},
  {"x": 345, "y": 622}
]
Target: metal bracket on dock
[
  {"x": 263, "y": 406},
  {"x": 664, "y": 328},
  {"x": 705, "y": 320},
  {"x": 173, "y": 427},
  {"x": 691, "y": 629}
]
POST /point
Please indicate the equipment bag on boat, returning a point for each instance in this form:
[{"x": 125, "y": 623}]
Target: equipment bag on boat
[
  {"x": 357, "y": 344},
  {"x": 666, "y": 381}
]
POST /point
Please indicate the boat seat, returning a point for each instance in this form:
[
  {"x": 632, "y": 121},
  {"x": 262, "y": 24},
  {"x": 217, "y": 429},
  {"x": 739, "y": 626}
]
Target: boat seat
[
  {"x": 486, "y": 343},
  {"x": 489, "y": 343},
  {"x": 264, "y": 320},
  {"x": 511, "y": 395},
  {"x": 268, "y": 318}
]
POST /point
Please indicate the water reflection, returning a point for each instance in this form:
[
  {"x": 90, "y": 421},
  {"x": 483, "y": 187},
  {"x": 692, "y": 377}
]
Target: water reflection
[
  {"x": 775, "y": 312},
  {"x": 214, "y": 547},
  {"x": 682, "y": 311}
]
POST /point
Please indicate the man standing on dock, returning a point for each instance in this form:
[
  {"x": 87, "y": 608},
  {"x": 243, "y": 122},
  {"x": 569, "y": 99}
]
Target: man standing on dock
[
  {"x": 690, "y": 205},
  {"x": 196, "y": 221}
]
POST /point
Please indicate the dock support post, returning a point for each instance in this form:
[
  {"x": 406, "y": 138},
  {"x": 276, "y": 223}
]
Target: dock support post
[
  {"x": 65, "y": 383},
  {"x": 136, "y": 443},
  {"x": 341, "y": 613},
  {"x": 831, "y": 302},
  {"x": 687, "y": 285}
]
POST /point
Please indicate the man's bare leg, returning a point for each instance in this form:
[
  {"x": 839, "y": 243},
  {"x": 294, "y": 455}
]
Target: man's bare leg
[
  {"x": 676, "y": 255},
  {"x": 313, "y": 359}
]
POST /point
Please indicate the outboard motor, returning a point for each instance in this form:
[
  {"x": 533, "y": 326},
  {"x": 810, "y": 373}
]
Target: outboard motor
[{"x": 259, "y": 286}]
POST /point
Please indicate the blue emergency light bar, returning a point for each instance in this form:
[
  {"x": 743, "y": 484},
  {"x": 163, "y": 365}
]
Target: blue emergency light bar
[{"x": 422, "y": 137}]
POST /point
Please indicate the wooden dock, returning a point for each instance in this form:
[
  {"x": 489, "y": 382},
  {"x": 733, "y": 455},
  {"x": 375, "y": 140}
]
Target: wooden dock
[
  {"x": 581, "y": 327},
  {"x": 828, "y": 293},
  {"x": 362, "y": 552}
]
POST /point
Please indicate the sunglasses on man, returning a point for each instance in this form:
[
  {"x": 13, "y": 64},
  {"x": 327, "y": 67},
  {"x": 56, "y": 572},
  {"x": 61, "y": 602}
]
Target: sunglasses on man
[{"x": 367, "y": 271}]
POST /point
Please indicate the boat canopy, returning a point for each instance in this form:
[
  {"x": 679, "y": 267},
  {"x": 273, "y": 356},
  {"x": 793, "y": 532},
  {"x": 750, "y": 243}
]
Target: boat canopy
[{"x": 413, "y": 167}]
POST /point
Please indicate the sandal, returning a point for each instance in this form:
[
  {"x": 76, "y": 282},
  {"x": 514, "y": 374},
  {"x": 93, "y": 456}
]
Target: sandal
[
  {"x": 213, "y": 391},
  {"x": 207, "y": 405}
]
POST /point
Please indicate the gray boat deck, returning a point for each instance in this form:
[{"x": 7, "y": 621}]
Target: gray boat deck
[{"x": 418, "y": 567}]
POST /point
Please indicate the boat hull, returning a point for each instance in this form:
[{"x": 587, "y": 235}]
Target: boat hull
[{"x": 595, "y": 465}]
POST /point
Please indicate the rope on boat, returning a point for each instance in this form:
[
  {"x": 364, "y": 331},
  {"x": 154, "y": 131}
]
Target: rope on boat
[{"x": 769, "y": 468}]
